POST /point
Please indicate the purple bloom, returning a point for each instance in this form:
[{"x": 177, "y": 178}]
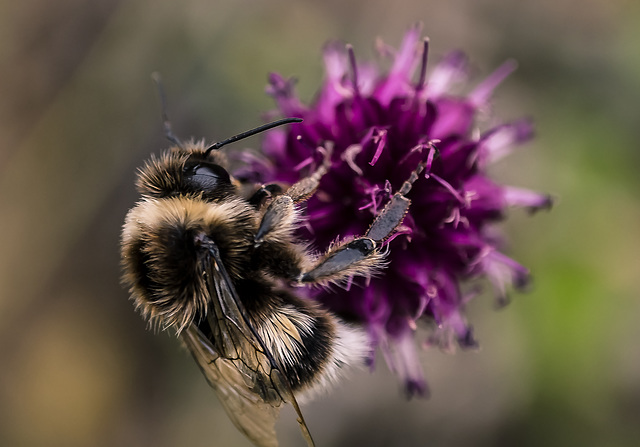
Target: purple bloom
[{"x": 381, "y": 126}]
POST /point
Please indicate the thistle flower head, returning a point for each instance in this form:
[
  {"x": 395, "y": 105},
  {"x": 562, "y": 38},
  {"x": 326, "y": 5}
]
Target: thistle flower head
[{"x": 381, "y": 125}]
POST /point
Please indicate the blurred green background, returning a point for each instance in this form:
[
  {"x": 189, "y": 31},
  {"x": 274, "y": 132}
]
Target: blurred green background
[{"x": 78, "y": 114}]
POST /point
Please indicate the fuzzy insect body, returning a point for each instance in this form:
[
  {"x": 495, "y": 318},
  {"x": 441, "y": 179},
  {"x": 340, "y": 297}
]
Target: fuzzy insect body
[{"x": 214, "y": 262}]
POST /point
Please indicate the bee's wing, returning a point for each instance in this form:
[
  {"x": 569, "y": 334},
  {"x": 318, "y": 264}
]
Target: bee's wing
[
  {"x": 248, "y": 411},
  {"x": 237, "y": 363}
]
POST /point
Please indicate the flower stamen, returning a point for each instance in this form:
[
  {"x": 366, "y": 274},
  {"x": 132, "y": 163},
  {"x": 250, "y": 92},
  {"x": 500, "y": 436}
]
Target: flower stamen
[
  {"x": 449, "y": 188},
  {"x": 349, "y": 156},
  {"x": 379, "y": 138},
  {"x": 423, "y": 65},
  {"x": 354, "y": 70}
]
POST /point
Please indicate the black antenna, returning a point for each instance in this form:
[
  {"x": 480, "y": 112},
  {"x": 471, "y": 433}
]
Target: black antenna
[
  {"x": 163, "y": 103},
  {"x": 251, "y": 132}
]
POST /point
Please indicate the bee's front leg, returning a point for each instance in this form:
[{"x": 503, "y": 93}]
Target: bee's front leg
[
  {"x": 278, "y": 222},
  {"x": 280, "y": 218},
  {"x": 362, "y": 256},
  {"x": 358, "y": 257},
  {"x": 263, "y": 193},
  {"x": 304, "y": 188}
]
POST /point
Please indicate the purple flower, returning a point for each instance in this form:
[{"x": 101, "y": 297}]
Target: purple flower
[{"x": 381, "y": 126}]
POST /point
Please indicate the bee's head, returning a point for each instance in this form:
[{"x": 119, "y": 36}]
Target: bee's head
[{"x": 188, "y": 171}]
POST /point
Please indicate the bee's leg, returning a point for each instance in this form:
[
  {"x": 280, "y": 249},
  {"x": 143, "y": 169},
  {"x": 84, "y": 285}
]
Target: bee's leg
[
  {"x": 262, "y": 194},
  {"x": 303, "y": 189},
  {"x": 359, "y": 257},
  {"x": 280, "y": 217},
  {"x": 362, "y": 256},
  {"x": 278, "y": 222}
]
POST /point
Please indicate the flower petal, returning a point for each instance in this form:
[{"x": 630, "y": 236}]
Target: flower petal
[
  {"x": 450, "y": 71},
  {"x": 526, "y": 198},
  {"x": 499, "y": 141},
  {"x": 283, "y": 91},
  {"x": 481, "y": 94},
  {"x": 397, "y": 81}
]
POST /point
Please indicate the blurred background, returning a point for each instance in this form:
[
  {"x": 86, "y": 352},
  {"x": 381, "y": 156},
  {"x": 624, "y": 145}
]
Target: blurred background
[{"x": 78, "y": 113}]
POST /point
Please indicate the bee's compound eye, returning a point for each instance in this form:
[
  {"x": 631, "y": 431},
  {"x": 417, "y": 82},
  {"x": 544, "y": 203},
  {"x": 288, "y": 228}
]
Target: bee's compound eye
[{"x": 205, "y": 176}]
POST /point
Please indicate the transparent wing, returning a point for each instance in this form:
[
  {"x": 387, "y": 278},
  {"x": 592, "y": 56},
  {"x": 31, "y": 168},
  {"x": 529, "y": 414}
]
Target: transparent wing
[
  {"x": 237, "y": 363},
  {"x": 248, "y": 411}
]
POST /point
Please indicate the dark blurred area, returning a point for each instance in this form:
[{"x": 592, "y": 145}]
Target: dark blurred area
[{"x": 558, "y": 366}]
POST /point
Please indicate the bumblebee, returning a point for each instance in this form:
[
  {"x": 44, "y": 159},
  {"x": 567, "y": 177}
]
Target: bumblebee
[{"x": 215, "y": 260}]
